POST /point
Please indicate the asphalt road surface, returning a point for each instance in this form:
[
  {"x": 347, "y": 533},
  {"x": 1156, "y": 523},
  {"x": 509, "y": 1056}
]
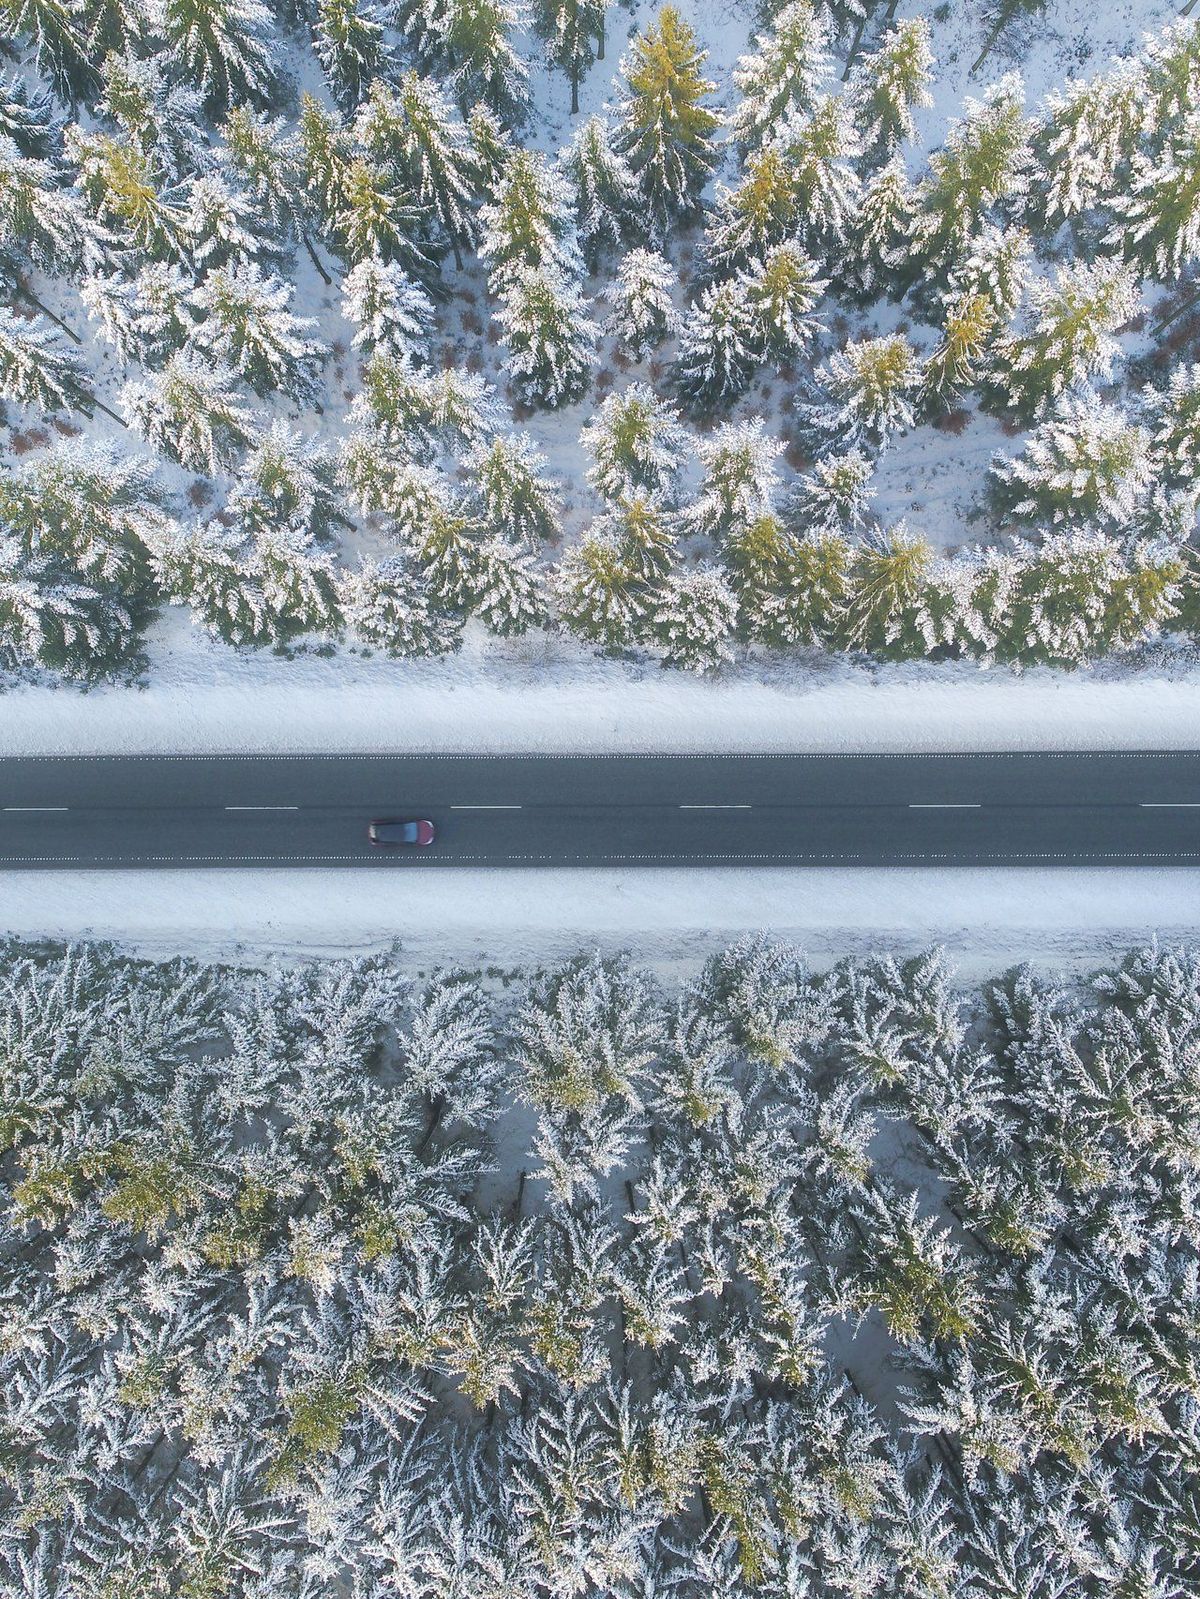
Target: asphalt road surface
[{"x": 623, "y": 810}]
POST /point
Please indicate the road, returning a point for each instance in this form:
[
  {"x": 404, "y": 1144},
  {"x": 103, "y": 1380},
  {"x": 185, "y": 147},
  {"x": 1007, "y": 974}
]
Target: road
[{"x": 625, "y": 810}]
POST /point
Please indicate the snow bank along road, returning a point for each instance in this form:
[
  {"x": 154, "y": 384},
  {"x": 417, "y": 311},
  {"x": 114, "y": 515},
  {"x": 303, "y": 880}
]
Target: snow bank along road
[{"x": 629, "y": 810}]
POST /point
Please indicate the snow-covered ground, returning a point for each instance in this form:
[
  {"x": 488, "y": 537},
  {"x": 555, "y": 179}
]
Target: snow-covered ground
[
  {"x": 543, "y": 694},
  {"x": 987, "y": 920}
]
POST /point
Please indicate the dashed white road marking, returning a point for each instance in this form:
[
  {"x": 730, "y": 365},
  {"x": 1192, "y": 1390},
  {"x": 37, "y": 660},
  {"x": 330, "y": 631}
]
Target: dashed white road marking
[
  {"x": 36, "y": 807},
  {"x": 1170, "y": 805},
  {"x": 715, "y": 807},
  {"x": 486, "y": 807},
  {"x": 262, "y": 807},
  {"x": 945, "y": 805}
]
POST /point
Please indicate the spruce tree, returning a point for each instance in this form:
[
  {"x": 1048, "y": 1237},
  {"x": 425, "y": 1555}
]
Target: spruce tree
[
  {"x": 349, "y": 42},
  {"x": 642, "y": 297},
  {"x": 60, "y": 50},
  {"x": 147, "y": 318},
  {"x": 996, "y": 266},
  {"x": 834, "y": 496},
  {"x": 664, "y": 128},
  {"x": 125, "y": 191},
  {"x": 783, "y": 75},
  {"x": 717, "y": 347},
  {"x": 516, "y": 500},
  {"x": 790, "y": 591},
  {"x": 470, "y": 43},
  {"x": 160, "y": 115},
  {"x": 879, "y": 255},
  {"x": 955, "y": 362},
  {"x": 1158, "y": 214},
  {"x": 287, "y": 478},
  {"x": 386, "y": 605},
  {"x": 646, "y": 532},
  {"x": 891, "y": 82},
  {"x": 39, "y": 221},
  {"x": 508, "y": 588},
  {"x": 267, "y": 157},
  {"x": 863, "y": 394},
  {"x": 1173, "y": 416},
  {"x": 740, "y": 481},
  {"x": 605, "y": 193},
  {"x": 635, "y": 443},
  {"x": 414, "y": 131},
  {"x": 574, "y": 35},
  {"x": 782, "y": 291},
  {"x": 1087, "y": 134},
  {"x": 225, "y": 45},
  {"x": 1087, "y": 464},
  {"x": 820, "y": 149},
  {"x": 248, "y": 326},
  {"x": 191, "y": 412},
  {"x": 550, "y": 338},
  {"x": 692, "y": 618},
  {"x": 220, "y": 226},
  {"x": 37, "y": 370},
  {"x": 27, "y": 117},
  {"x": 530, "y": 223},
  {"x": 1066, "y": 335},
  {"x": 393, "y": 314}
]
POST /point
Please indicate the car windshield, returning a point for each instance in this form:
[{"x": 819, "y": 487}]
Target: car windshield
[{"x": 397, "y": 832}]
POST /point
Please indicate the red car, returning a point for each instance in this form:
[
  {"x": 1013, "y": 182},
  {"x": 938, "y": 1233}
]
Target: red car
[{"x": 391, "y": 834}]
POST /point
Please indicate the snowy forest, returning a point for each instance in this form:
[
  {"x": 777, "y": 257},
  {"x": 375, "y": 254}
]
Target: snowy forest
[
  {"x": 316, "y": 328},
  {"x": 340, "y": 1278}
]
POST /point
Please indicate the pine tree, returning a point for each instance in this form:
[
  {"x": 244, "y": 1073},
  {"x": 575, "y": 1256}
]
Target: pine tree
[
  {"x": 517, "y": 501},
  {"x": 112, "y": 26},
  {"x": 1086, "y": 464},
  {"x": 863, "y": 393},
  {"x": 891, "y": 82},
  {"x": 664, "y": 129},
  {"x": 491, "y": 147},
  {"x": 605, "y": 193},
  {"x": 508, "y": 588},
  {"x": 529, "y": 224},
  {"x": 1088, "y": 133},
  {"x": 350, "y": 45},
  {"x": 782, "y": 291},
  {"x": 645, "y": 531},
  {"x": 387, "y": 606},
  {"x": 415, "y": 132},
  {"x": 446, "y": 550},
  {"x": 125, "y": 192},
  {"x": 1067, "y": 334},
  {"x": 550, "y": 338},
  {"x": 190, "y": 411},
  {"x": 1171, "y": 61},
  {"x": 1158, "y": 214},
  {"x": 598, "y": 591},
  {"x": 574, "y": 35},
  {"x": 394, "y": 315},
  {"x": 879, "y": 255},
  {"x": 898, "y": 601},
  {"x": 224, "y": 44},
  {"x": 819, "y": 150},
  {"x": 325, "y": 153},
  {"x": 298, "y": 581},
  {"x": 48, "y": 620},
  {"x": 717, "y": 346},
  {"x": 980, "y": 174},
  {"x": 635, "y": 443},
  {"x": 375, "y": 216},
  {"x": 692, "y": 618},
  {"x": 643, "y": 300},
  {"x": 248, "y": 328},
  {"x": 761, "y": 212},
  {"x": 37, "y": 370},
  {"x": 267, "y": 157},
  {"x": 27, "y": 117},
  {"x": 784, "y": 74},
  {"x": 835, "y": 496},
  {"x": 740, "y": 480},
  {"x": 791, "y": 591},
  {"x": 955, "y": 362}
]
